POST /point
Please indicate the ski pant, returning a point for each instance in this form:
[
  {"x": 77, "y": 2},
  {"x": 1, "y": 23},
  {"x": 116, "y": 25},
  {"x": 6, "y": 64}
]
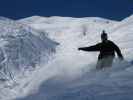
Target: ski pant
[{"x": 105, "y": 62}]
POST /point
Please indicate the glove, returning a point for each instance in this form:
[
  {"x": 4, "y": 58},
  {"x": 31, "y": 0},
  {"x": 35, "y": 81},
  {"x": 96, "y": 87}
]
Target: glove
[
  {"x": 79, "y": 48},
  {"x": 121, "y": 58}
]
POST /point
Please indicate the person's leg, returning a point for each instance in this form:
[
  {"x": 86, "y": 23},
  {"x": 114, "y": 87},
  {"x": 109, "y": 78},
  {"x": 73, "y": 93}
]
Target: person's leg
[
  {"x": 105, "y": 62},
  {"x": 99, "y": 64},
  {"x": 108, "y": 61}
]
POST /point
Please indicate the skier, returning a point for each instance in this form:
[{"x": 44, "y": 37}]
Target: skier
[{"x": 107, "y": 51}]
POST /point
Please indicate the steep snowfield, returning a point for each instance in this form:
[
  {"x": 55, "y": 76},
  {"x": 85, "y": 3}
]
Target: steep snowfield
[
  {"x": 64, "y": 27},
  {"x": 71, "y": 75},
  {"x": 21, "y": 49}
]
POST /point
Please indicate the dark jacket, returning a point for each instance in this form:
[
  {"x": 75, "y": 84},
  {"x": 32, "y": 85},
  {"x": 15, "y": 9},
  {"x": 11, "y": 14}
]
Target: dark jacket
[{"x": 107, "y": 48}]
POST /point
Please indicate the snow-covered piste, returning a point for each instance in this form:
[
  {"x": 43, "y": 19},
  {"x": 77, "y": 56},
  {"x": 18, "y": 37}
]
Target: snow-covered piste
[{"x": 39, "y": 59}]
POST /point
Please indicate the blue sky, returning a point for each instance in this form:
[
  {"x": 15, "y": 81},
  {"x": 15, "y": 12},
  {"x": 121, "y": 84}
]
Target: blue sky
[{"x": 111, "y": 9}]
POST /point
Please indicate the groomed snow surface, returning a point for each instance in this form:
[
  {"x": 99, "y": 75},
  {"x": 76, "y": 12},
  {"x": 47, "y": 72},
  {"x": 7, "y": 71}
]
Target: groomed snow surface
[{"x": 39, "y": 59}]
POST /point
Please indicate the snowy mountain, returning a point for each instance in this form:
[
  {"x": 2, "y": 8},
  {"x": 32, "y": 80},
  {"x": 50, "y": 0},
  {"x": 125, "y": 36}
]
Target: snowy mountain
[
  {"x": 21, "y": 49},
  {"x": 62, "y": 26},
  {"x": 71, "y": 74}
]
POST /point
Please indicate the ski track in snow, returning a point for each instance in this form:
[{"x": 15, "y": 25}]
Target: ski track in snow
[{"x": 71, "y": 75}]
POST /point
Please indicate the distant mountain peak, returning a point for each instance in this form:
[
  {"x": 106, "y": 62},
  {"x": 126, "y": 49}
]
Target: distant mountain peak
[
  {"x": 5, "y": 18},
  {"x": 130, "y": 18}
]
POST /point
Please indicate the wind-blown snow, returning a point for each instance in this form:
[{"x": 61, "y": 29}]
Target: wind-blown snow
[
  {"x": 21, "y": 49},
  {"x": 71, "y": 75}
]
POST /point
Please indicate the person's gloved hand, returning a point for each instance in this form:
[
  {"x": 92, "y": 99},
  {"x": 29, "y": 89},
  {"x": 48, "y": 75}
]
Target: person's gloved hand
[
  {"x": 79, "y": 48},
  {"x": 121, "y": 58}
]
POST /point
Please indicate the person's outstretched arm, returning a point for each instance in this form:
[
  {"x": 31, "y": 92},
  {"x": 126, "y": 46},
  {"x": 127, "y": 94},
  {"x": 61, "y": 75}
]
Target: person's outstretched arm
[
  {"x": 91, "y": 48},
  {"x": 118, "y": 51}
]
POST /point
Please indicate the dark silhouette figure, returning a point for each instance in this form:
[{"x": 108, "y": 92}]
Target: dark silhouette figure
[{"x": 107, "y": 51}]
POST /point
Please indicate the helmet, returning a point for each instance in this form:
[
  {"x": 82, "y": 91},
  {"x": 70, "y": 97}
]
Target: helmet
[{"x": 104, "y": 35}]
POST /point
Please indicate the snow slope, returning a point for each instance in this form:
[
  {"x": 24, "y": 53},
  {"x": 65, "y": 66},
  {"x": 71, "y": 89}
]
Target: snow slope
[
  {"x": 71, "y": 74},
  {"x": 21, "y": 50}
]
